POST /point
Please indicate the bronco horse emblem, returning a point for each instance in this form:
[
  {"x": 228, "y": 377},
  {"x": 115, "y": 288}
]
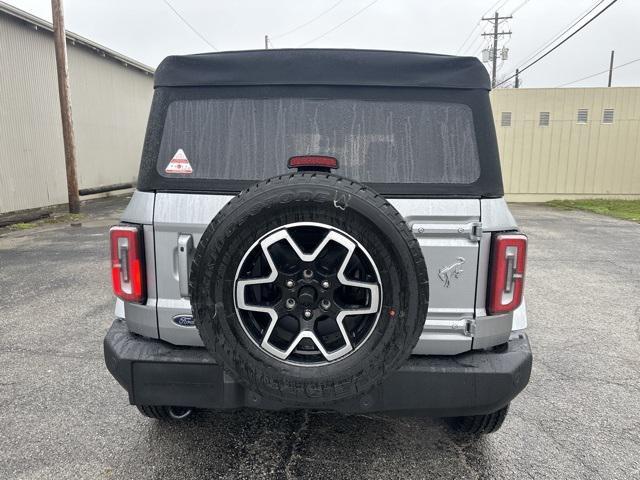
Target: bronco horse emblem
[{"x": 452, "y": 271}]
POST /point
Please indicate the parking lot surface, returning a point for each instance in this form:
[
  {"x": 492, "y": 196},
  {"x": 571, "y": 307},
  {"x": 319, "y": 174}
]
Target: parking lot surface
[{"x": 63, "y": 416}]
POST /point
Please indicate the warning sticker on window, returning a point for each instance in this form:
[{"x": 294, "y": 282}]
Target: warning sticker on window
[{"x": 179, "y": 164}]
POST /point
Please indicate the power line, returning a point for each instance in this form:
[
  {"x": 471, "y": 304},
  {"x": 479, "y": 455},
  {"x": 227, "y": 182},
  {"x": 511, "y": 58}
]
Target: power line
[
  {"x": 476, "y": 47},
  {"x": 293, "y": 30},
  {"x": 599, "y": 73},
  {"x": 191, "y": 27},
  {"x": 340, "y": 24},
  {"x": 473, "y": 30},
  {"x": 561, "y": 33},
  {"x": 520, "y": 6},
  {"x": 531, "y": 64},
  {"x": 475, "y": 27},
  {"x": 496, "y": 6}
]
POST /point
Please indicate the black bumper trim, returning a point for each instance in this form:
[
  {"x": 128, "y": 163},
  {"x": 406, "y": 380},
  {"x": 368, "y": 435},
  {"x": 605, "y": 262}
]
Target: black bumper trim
[{"x": 154, "y": 372}]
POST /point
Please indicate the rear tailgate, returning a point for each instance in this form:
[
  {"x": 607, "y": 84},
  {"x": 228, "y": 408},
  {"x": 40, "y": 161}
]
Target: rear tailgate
[{"x": 449, "y": 233}]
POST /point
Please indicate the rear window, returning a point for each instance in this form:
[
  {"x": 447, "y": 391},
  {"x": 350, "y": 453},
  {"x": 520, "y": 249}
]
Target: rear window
[{"x": 374, "y": 141}]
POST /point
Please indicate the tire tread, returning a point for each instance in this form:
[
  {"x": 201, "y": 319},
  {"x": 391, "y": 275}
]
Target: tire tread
[
  {"x": 479, "y": 424},
  {"x": 405, "y": 342}
]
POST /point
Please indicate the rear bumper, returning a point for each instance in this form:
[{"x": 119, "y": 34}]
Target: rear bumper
[{"x": 157, "y": 373}]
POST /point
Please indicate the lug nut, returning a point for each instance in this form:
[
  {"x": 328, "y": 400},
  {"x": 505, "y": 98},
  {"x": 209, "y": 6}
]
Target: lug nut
[
  {"x": 290, "y": 303},
  {"x": 325, "y": 284},
  {"x": 325, "y": 304},
  {"x": 290, "y": 284},
  {"x": 307, "y": 313},
  {"x": 307, "y": 273}
]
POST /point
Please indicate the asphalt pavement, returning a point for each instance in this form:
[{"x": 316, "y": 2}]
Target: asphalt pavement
[{"x": 63, "y": 416}]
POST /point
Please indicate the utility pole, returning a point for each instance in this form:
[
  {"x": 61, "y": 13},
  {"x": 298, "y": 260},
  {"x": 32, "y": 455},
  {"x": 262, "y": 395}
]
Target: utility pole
[
  {"x": 60, "y": 42},
  {"x": 517, "y": 78},
  {"x": 495, "y": 34},
  {"x": 266, "y": 42},
  {"x": 611, "y": 67}
]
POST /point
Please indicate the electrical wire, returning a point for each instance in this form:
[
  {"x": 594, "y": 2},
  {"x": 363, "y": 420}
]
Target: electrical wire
[
  {"x": 340, "y": 24},
  {"x": 477, "y": 47},
  {"x": 495, "y": 7},
  {"x": 560, "y": 34},
  {"x": 473, "y": 30},
  {"x": 599, "y": 73},
  {"x": 532, "y": 63},
  {"x": 520, "y": 6},
  {"x": 293, "y": 30},
  {"x": 191, "y": 27},
  {"x": 475, "y": 27},
  {"x": 469, "y": 47}
]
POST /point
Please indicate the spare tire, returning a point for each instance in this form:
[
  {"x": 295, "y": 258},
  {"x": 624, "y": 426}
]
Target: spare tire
[{"x": 309, "y": 288}]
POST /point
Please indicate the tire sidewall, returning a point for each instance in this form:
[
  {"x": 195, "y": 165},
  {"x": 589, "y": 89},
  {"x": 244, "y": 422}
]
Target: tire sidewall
[{"x": 335, "y": 202}]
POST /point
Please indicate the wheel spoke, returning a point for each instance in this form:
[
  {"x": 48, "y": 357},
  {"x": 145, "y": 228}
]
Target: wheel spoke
[
  {"x": 374, "y": 295},
  {"x": 312, "y": 336},
  {"x": 373, "y": 287},
  {"x": 243, "y": 284}
]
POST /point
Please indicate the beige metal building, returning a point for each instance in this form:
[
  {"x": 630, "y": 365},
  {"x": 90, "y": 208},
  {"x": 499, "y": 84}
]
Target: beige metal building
[
  {"x": 569, "y": 142},
  {"x": 110, "y": 95}
]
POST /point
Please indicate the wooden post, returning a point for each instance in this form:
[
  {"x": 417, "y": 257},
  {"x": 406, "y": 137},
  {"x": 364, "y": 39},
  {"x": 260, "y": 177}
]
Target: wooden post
[
  {"x": 60, "y": 42},
  {"x": 495, "y": 51},
  {"x": 611, "y": 68}
]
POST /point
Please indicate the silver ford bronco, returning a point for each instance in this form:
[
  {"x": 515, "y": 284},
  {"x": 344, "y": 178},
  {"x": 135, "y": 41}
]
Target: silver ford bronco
[{"x": 320, "y": 229}]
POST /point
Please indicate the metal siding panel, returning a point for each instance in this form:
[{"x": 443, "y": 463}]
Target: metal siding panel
[
  {"x": 632, "y": 143},
  {"x": 564, "y": 156},
  {"x": 110, "y": 110},
  {"x": 30, "y": 131},
  {"x": 604, "y": 178},
  {"x": 110, "y": 107},
  {"x": 567, "y": 159}
]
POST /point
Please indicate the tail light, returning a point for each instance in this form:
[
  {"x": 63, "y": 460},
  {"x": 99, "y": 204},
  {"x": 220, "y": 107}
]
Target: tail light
[
  {"x": 127, "y": 263},
  {"x": 313, "y": 162},
  {"x": 508, "y": 257}
]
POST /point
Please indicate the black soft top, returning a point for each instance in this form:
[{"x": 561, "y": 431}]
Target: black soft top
[
  {"x": 358, "y": 75},
  {"x": 373, "y": 68}
]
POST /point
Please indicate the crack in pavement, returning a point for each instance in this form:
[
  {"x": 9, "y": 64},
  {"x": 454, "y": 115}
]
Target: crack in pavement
[
  {"x": 49, "y": 353},
  {"x": 293, "y": 453}
]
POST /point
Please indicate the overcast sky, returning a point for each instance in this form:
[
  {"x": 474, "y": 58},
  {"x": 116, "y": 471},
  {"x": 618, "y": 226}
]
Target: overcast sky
[{"x": 148, "y": 30}]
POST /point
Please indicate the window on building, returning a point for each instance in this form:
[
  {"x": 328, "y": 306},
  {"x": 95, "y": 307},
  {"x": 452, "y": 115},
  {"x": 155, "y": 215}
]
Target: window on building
[
  {"x": 544, "y": 119},
  {"x": 607, "y": 115},
  {"x": 505, "y": 119},
  {"x": 583, "y": 115}
]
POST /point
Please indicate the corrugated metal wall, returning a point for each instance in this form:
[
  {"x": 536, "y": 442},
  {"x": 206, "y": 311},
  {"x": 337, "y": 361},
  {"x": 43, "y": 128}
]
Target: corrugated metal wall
[
  {"x": 567, "y": 159},
  {"x": 110, "y": 110},
  {"x": 110, "y": 107}
]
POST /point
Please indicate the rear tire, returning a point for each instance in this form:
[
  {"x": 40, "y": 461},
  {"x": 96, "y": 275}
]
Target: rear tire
[
  {"x": 245, "y": 343},
  {"x": 165, "y": 413},
  {"x": 479, "y": 424}
]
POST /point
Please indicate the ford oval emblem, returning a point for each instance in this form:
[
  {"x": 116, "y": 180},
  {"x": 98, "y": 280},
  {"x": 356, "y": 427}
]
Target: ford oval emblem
[{"x": 184, "y": 320}]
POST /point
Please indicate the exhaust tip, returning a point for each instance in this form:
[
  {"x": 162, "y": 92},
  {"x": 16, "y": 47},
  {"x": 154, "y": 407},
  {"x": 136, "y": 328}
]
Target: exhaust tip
[{"x": 180, "y": 413}]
